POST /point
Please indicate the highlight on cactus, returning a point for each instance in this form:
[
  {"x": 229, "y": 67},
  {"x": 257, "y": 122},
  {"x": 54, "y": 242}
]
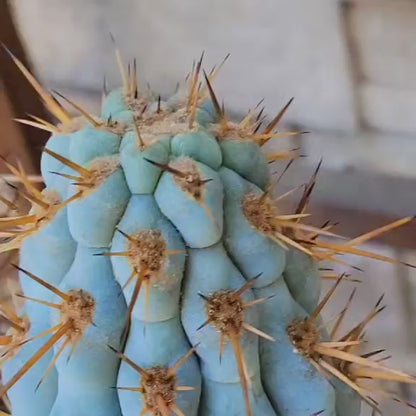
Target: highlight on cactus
[{"x": 162, "y": 274}]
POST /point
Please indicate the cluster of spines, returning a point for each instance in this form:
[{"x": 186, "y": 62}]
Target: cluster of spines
[{"x": 287, "y": 230}]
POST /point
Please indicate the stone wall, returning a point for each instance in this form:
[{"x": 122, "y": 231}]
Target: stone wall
[
  {"x": 278, "y": 49},
  {"x": 383, "y": 34}
]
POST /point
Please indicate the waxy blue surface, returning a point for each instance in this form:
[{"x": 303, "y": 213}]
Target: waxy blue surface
[
  {"x": 142, "y": 213},
  {"x": 247, "y": 159},
  {"x": 90, "y": 371},
  {"x": 90, "y": 142},
  {"x": 158, "y": 344},
  {"x": 210, "y": 270},
  {"x": 253, "y": 252},
  {"x": 303, "y": 279},
  {"x": 199, "y": 222},
  {"x": 92, "y": 219},
  {"x": 199, "y": 145},
  {"x": 141, "y": 175},
  {"x": 293, "y": 385}
]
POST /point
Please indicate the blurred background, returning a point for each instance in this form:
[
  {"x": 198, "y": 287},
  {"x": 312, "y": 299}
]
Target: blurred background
[{"x": 350, "y": 65}]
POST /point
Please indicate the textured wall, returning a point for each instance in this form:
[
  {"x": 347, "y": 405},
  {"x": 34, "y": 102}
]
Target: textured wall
[
  {"x": 383, "y": 35},
  {"x": 279, "y": 48}
]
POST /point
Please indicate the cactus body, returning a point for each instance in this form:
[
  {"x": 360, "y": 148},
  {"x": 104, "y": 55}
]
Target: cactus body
[{"x": 171, "y": 283}]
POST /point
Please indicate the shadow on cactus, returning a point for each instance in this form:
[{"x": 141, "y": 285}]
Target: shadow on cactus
[{"x": 161, "y": 273}]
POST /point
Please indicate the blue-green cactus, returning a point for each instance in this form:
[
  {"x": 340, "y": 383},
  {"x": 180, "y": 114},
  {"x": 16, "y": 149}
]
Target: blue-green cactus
[{"x": 161, "y": 276}]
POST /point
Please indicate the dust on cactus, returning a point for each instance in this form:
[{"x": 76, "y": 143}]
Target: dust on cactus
[{"x": 161, "y": 276}]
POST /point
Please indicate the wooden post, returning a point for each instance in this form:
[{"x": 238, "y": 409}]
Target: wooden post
[{"x": 17, "y": 98}]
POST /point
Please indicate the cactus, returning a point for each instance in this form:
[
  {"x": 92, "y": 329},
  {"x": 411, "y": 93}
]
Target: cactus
[{"x": 160, "y": 275}]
